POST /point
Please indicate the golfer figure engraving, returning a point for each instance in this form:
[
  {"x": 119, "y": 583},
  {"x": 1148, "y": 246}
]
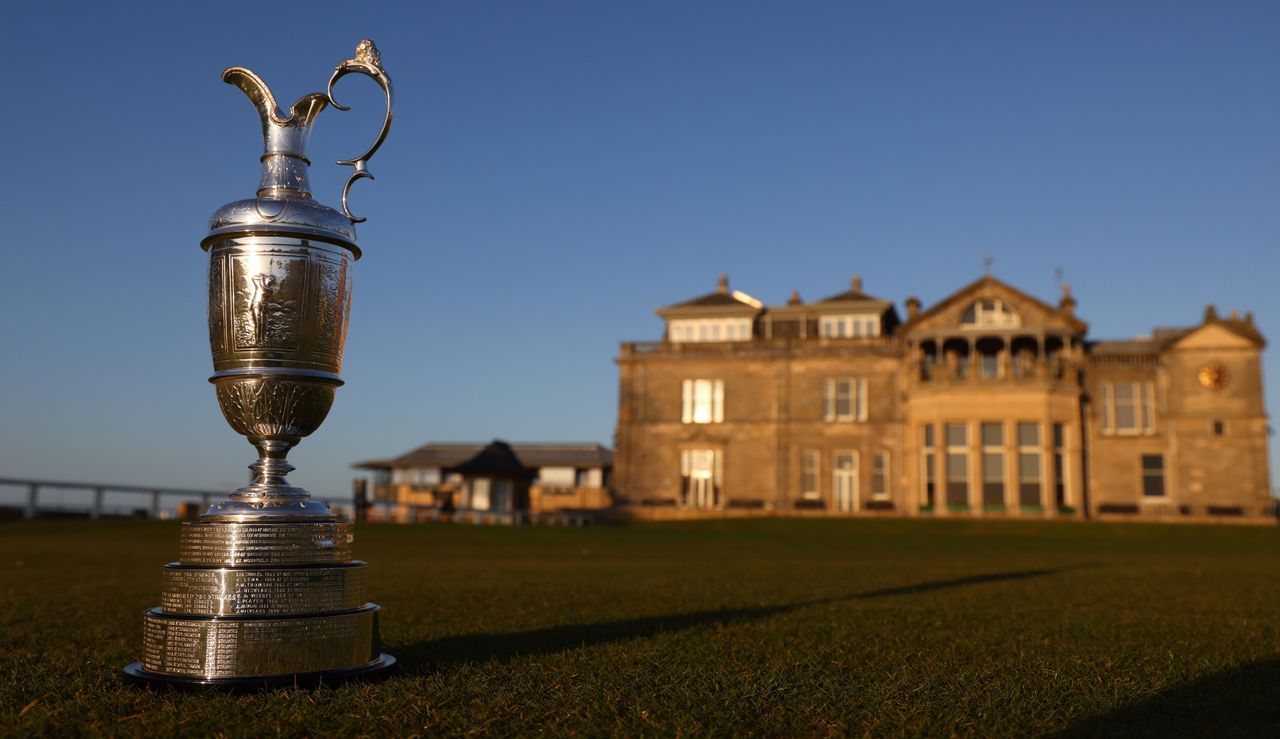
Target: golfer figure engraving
[
  {"x": 265, "y": 591},
  {"x": 263, "y": 286}
]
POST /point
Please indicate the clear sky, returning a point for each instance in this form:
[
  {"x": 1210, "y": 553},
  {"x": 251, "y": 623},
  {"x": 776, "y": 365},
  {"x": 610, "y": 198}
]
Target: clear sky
[{"x": 559, "y": 169}]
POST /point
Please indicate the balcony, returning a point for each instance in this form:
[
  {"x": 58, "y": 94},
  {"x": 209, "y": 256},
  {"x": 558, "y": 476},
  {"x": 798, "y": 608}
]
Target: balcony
[{"x": 757, "y": 347}]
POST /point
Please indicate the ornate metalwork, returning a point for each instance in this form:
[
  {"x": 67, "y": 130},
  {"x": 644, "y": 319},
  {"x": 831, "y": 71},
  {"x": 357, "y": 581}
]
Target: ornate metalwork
[
  {"x": 368, "y": 62},
  {"x": 266, "y": 592}
]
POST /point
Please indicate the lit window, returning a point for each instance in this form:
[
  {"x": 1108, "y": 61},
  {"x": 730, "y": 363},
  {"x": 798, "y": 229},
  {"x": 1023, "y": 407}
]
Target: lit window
[
  {"x": 1128, "y": 408},
  {"x": 990, "y": 314},
  {"x": 845, "y": 399},
  {"x": 480, "y": 494},
  {"x": 681, "y": 330},
  {"x": 1029, "y": 465},
  {"x": 957, "y": 464},
  {"x": 993, "y": 464},
  {"x": 880, "y": 475},
  {"x": 844, "y": 481},
  {"x": 703, "y": 401},
  {"x": 1059, "y": 465},
  {"x": 700, "y": 478},
  {"x": 1153, "y": 476},
  {"x": 930, "y": 472},
  {"x": 838, "y": 327},
  {"x": 556, "y": 476},
  {"x": 809, "y": 474}
]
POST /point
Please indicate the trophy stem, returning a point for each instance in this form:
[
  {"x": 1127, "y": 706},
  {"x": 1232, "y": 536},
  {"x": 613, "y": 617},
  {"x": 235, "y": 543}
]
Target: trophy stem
[{"x": 269, "y": 472}]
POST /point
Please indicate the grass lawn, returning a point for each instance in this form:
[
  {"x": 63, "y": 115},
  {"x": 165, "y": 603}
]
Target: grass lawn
[{"x": 811, "y": 627}]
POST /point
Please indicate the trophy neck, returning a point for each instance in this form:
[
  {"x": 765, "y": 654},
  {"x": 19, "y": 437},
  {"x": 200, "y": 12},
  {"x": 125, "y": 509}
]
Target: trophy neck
[
  {"x": 284, "y": 175},
  {"x": 284, "y": 159}
]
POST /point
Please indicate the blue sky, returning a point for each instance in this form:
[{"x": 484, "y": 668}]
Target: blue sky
[{"x": 559, "y": 169}]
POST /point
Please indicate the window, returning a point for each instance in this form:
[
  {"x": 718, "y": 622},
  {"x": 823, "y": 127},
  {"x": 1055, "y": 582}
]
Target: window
[
  {"x": 1059, "y": 469},
  {"x": 480, "y": 494},
  {"x": 681, "y": 330},
  {"x": 844, "y": 481},
  {"x": 556, "y": 476},
  {"x": 703, "y": 401},
  {"x": 930, "y": 473},
  {"x": 1153, "y": 476},
  {"x": 989, "y": 314},
  {"x": 845, "y": 399},
  {"x": 1128, "y": 408},
  {"x": 838, "y": 327},
  {"x": 993, "y": 464},
  {"x": 1029, "y": 464},
  {"x": 1219, "y": 428},
  {"x": 957, "y": 464},
  {"x": 880, "y": 475},
  {"x": 419, "y": 476},
  {"x": 809, "y": 462},
  {"x": 989, "y": 365},
  {"x": 700, "y": 474}
]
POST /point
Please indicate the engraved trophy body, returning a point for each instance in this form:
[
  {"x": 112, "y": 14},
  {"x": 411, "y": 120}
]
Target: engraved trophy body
[{"x": 265, "y": 591}]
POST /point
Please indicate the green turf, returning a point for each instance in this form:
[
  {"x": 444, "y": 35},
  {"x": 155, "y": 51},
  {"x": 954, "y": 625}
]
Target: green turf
[{"x": 778, "y": 627}]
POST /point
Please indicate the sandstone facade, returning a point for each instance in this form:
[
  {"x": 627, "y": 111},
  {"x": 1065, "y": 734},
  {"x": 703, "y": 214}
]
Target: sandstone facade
[{"x": 990, "y": 403}]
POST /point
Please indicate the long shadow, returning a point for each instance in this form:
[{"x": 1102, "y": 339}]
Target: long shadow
[
  {"x": 1242, "y": 701},
  {"x": 440, "y": 653}
]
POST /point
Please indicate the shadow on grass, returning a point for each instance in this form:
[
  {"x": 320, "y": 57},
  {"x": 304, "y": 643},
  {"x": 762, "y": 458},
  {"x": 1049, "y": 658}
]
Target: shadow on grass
[
  {"x": 440, "y": 653},
  {"x": 1242, "y": 701}
]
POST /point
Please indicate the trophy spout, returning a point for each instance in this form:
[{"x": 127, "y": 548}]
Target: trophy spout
[{"x": 284, "y": 158}]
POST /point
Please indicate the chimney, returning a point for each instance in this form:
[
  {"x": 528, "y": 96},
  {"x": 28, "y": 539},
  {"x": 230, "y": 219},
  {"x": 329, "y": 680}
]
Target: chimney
[
  {"x": 856, "y": 283},
  {"x": 1248, "y": 317},
  {"x": 1067, "y": 305},
  {"x": 1235, "y": 314},
  {"x": 795, "y": 298},
  {"x": 913, "y": 307},
  {"x": 1210, "y": 313},
  {"x": 722, "y": 284}
]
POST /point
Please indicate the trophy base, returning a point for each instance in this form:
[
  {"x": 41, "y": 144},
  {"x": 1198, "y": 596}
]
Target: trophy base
[{"x": 378, "y": 669}]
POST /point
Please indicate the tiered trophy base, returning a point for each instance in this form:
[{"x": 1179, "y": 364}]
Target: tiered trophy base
[
  {"x": 380, "y": 668},
  {"x": 261, "y": 604}
]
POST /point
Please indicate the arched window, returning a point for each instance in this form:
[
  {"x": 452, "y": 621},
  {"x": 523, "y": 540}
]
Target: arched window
[{"x": 989, "y": 313}]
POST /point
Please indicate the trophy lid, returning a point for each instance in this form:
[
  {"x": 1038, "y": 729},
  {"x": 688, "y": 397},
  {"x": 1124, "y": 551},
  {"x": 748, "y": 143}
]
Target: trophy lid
[{"x": 283, "y": 205}]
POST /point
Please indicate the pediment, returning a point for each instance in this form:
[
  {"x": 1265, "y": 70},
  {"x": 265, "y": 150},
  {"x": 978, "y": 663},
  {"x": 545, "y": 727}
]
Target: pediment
[
  {"x": 990, "y": 305},
  {"x": 1214, "y": 336}
]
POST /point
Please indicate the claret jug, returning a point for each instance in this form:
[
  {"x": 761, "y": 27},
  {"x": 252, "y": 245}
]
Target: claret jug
[{"x": 265, "y": 591}]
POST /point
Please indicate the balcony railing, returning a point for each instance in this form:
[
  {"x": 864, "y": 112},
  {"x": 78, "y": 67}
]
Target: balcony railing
[{"x": 815, "y": 345}]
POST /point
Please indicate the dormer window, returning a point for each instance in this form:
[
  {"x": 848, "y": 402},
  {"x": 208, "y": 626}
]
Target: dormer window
[
  {"x": 990, "y": 313},
  {"x": 848, "y": 326},
  {"x": 681, "y": 330}
]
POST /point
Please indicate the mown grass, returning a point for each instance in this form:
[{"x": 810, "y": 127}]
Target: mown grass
[{"x": 777, "y": 627}]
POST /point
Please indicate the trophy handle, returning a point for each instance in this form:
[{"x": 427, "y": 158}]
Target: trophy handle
[{"x": 368, "y": 62}]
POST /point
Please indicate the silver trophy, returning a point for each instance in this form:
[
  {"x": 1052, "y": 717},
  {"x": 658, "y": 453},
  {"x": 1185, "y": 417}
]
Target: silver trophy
[{"x": 265, "y": 591}]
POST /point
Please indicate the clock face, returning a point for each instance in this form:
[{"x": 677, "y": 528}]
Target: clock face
[{"x": 1213, "y": 376}]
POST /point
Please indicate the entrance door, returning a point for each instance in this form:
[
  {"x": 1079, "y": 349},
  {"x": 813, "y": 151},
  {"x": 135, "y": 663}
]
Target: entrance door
[
  {"x": 844, "y": 487},
  {"x": 701, "y": 494},
  {"x": 700, "y": 478}
]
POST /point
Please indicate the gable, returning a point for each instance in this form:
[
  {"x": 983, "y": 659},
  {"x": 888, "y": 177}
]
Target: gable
[
  {"x": 991, "y": 305},
  {"x": 1213, "y": 336}
]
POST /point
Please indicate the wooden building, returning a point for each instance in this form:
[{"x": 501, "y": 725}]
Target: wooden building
[{"x": 495, "y": 478}]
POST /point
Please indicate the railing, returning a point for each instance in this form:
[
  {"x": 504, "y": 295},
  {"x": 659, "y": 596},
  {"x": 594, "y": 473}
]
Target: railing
[
  {"x": 1135, "y": 359},
  {"x": 824, "y": 345},
  {"x": 98, "y": 503}
]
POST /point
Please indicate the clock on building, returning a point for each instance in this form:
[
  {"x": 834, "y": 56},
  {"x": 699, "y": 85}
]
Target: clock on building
[{"x": 1213, "y": 376}]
